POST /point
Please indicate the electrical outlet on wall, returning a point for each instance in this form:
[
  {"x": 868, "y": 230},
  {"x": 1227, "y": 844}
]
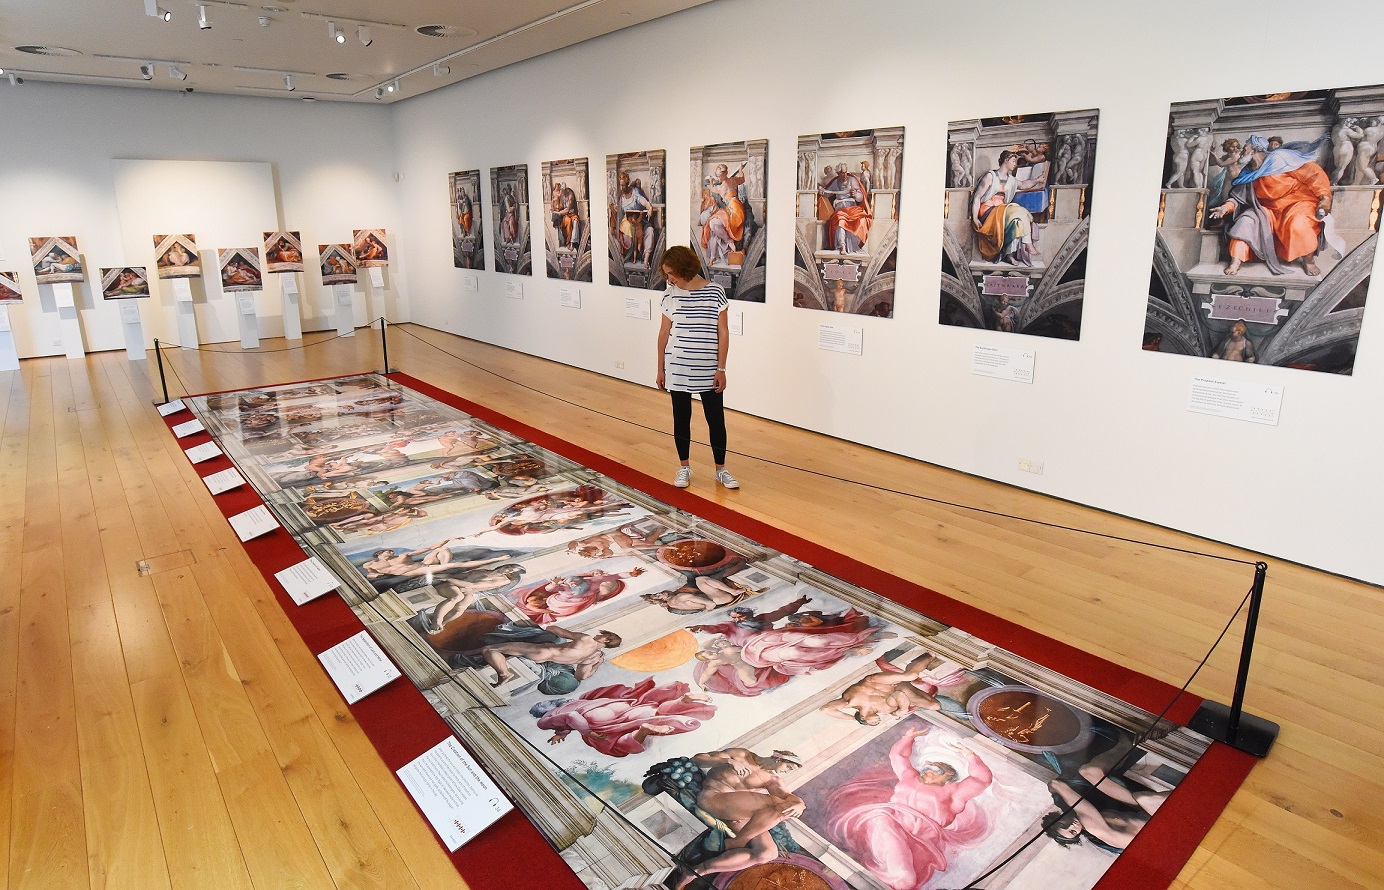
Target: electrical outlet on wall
[{"x": 619, "y": 364}]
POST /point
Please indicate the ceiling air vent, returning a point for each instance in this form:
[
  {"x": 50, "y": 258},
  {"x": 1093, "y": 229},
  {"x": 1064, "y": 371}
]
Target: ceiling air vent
[
  {"x": 338, "y": 76},
  {"x": 47, "y": 50},
  {"x": 438, "y": 30}
]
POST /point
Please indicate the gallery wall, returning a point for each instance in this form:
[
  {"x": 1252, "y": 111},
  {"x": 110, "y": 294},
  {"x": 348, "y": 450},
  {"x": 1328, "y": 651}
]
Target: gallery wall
[
  {"x": 1107, "y": 421},
  {"x": 331, "y": 170}
]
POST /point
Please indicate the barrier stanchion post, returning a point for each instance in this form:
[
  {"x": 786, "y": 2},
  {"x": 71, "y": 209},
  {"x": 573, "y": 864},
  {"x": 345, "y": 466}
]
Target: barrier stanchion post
[
  {"x": 163, "y": 381},
  {"x": 1251, "y": 734},
  {"x": 384, "y": 341}
]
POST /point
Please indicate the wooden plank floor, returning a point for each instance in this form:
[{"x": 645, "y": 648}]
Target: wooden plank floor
[{"x": 161, "y": 724}]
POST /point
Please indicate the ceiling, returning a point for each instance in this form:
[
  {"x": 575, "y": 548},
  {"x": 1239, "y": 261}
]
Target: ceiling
[{"x": 262, "y": 47}]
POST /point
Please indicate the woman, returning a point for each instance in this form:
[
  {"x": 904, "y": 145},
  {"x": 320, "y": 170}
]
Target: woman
[{"x": 693, "y": 340}]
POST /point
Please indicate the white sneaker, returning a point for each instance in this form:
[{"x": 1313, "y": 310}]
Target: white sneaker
[
  {"x": 683, "y": 478},
  {"x": 725, "y": 478}
]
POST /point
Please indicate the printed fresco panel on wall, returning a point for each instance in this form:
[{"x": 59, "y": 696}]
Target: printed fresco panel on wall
[
  {"x": 337, "y": 264},
  {"x": 56, "y": 259},
  {"x": 1267, "y": 227},
  {"x": 729, "y": 230},
  {"x": 175, "y": 256},
  {"x": 566, "y": 185},
  {"x": 636, "y": 188},
  {"x": 9, "y": 288},
  {"x": 240, "y": 269},
  {"x": 124, "y": 283},
  {"x": 751, "y": 716},
  {"x": 1016, "y": 225},
  {"x": 370, "y": 248},
  {"x": 847, "y": 230},
  {"x": 283, "y": 251},
  {"x": 468, "y": 228},
  {"x": 509, "y": 207}
]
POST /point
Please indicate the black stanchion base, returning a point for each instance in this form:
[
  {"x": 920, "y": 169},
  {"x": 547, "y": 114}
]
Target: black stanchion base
[
  {"x": 1255, "y": 735},
  {"x": 385, "y": 371}
]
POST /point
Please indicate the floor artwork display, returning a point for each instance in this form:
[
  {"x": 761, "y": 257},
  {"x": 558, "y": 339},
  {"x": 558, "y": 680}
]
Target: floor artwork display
[
  {"x": 1017, "y": 222},
  {"x": 1267, "y": 228},
  {"x": 664, "y": 697}
]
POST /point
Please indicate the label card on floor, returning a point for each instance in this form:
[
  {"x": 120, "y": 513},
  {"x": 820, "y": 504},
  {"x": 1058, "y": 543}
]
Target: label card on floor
[
  {"x": 172, "y": 407},
  {"x": 306, "y": 581},
  {"x": 570, "y": 297},
  {"x": 224, "y": 481},
  {"x": 839, "y": 338},
  {"x": 1237, "y": 400},
  {"x": 1003, "y": 363},
  {"x": 205, "y": 451},
  {"x": 636, "y": 307},
  {"x": 187, "y": 428},
  {"x": 514, "y": 290},
  {"x": 358, "y": 666},
  {"x": 253, "y": 523},
  {"x": 735, "y": 323},
  {"x": 458, "y": 798}
]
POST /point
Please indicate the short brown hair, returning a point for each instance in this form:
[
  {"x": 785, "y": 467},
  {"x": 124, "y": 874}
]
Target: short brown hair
[{"x": 682, "y": 261}]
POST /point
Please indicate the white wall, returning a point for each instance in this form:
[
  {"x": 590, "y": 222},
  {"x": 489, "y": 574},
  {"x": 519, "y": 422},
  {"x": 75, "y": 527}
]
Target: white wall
[
  {"x": 1108, "y": 420},
  {"x": 332, "y": 166}
]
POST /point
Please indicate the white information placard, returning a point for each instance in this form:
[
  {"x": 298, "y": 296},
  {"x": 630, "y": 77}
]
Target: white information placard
[
  {"x": 187, "y": 428},
  {"x": 63, "y": 296},
  {"x": 358, "y": 666},
  {"x": 182, "y": 290},
  {"x": 636, "y": 307},
  {"x": 458, "y": 798},
  {"x": 247, "y": 304},
  {"x": 471, "y": 283},
  {"x": 205, "y": 451},
  {"x": 1235, "y": 399},
  {"x": 129, "y": 312},
  {"x": 514, "y": 290},
  {"x": 224, "y": 481},
  {"x": 288, "y": 283},
  {"x": 4, "y": 318},
  {"x": 377, "y": 277},
  {"x": 839, "y": 338},
  {"x": 253, "y": 523},
  {"x": 570, "y": 297},
  {"x": 343, "y": 296},
  {"x": 172, "y": 407},
  {"x": 735, "y": 322},
  {"x": 307, "y": 580},
  {"x": 1003, "y": 363}
]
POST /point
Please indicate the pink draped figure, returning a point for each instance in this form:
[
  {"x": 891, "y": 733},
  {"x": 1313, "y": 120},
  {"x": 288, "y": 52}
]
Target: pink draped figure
[{"x": 618, "y": 719}]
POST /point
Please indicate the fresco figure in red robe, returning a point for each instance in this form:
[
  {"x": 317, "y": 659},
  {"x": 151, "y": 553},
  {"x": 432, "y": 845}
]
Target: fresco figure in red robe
[{"x": 617, "y": 720}]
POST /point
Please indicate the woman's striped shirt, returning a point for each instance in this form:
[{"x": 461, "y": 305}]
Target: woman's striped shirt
[{"x": 689, "y": 362}]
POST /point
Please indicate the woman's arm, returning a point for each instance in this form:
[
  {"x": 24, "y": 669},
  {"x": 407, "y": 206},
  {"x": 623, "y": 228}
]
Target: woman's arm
[
  {"x": 664, "y": 328},
  {"x": 722, "y": 349}
]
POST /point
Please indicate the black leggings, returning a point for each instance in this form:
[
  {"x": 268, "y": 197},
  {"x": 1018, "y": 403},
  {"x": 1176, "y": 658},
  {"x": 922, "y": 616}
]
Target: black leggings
[{"x": 713, "y": 406}]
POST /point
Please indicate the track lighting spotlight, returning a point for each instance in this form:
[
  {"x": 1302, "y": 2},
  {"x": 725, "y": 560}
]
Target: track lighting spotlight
[
  {"x": 288, "y": 82},
  {"x": 154, "y": 10},
  {"x": 146, "y": 71},
  {"x": 393, "y": 85},
  {"x": 379, "y": 92},
  {"x": 15, "y": 80},
  {"x": 441, "y": 70},
  {"x": 264, "y": 21},
  {"x": 335, "y": 33},
  {"x": 176, "y": 73},
  {"x": 202, "y": 21},
  {"x": 363, "y": 35}
]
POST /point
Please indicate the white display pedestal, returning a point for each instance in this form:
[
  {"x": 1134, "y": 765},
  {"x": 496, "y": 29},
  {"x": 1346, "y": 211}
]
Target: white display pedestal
[
  {"x": 187, "y": 315},
  {"x": 9, "y": 356},
  {"x": 248, "y": 319},
  {"x": 71, "y": 326},
  {"x": 293, "y": 316},
  {"x": 134, "y": 331},
  {"x": 345, "y": 310}
]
